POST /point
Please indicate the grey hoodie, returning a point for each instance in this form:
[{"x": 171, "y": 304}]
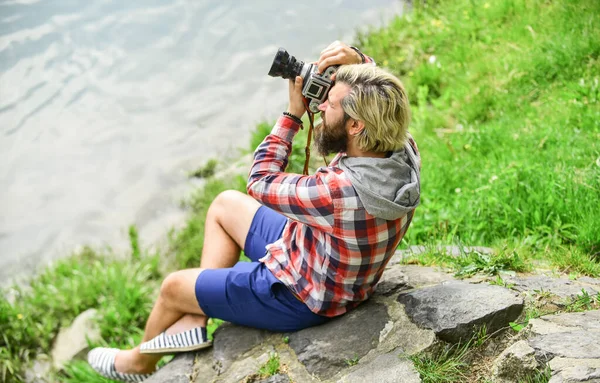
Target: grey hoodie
[{"x": 388, "y": 187}]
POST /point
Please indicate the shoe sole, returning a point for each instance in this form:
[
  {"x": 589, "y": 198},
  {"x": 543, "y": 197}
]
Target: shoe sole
[{"x": 172, "y": 350}]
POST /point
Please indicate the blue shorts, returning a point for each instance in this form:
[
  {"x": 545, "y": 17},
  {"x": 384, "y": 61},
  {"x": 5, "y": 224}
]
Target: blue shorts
[{"x": 248, "y": 294}]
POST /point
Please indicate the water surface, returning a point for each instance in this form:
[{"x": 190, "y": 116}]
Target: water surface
[{"x": 105, "y": 106}]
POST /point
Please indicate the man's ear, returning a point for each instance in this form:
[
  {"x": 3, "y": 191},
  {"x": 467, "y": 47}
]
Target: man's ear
[{"x": 356, "y": 126}]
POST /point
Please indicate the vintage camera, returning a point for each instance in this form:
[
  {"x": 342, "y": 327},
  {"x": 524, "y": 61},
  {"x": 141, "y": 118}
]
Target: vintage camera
[{"x": 315, "y": 85}]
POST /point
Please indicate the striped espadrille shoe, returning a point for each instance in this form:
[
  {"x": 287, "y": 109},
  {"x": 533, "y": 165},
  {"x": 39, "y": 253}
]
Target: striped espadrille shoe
[
  {"x": 190, "y": 340},
  {"x": 103, "y": 361}
]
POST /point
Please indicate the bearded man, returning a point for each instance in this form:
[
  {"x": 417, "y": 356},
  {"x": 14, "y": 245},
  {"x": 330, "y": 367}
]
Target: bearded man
[{"x": 318, "y": 243}]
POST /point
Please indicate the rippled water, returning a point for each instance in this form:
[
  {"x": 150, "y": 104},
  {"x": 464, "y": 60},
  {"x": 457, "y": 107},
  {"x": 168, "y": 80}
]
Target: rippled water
[{"x": 106, "y": 105}]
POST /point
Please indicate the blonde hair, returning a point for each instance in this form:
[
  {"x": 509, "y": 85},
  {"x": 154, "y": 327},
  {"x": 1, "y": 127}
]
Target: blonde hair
[{"x": 378, "y": 99}]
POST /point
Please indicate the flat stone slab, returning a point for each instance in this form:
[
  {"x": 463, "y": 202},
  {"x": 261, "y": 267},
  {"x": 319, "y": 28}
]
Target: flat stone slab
[
  {"x": 575, "y": 344},
  {"x": 561, "y": 287},
  {"x": 421, "y": 276},
  {"x": 386, "y": 368},
  {"x": 589, "y": 281},
  {"x": 455, "y": 310},
  {"x": 397, "y": 278},
  {"x": 327, "y": 349},
  {"x": 587, "y": 320},
  {"x": 569, "y": 343},
  {"x": 575, "y": 370}
]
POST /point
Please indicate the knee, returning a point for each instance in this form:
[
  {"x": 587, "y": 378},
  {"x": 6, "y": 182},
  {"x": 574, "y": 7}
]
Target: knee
[
  {"x": 169, "y": 290},
  {"x": 225, "y": 201},
  {"x": 228, "y": 197}
]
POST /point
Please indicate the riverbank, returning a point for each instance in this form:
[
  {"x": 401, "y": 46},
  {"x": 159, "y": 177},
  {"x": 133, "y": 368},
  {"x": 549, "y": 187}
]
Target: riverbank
[{"x": 505, "y": 99}]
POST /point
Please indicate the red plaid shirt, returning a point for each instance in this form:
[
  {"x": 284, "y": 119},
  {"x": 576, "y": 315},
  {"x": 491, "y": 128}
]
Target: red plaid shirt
[{"x": 332, "y": 252}]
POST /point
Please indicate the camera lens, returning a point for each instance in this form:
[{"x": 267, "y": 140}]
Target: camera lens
[{"x": 286, "y": 66}]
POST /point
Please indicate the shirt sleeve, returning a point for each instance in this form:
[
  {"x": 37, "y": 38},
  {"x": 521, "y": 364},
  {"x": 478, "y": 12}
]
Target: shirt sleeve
[{"x": 306, "y": 199}]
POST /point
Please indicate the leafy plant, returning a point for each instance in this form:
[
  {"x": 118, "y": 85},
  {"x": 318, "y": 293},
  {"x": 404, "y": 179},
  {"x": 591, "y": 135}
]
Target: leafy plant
[
  {"x": 271, "y": 367},
  {"x": 583, "y": 302},
  {"x": 352, "y": 361}
]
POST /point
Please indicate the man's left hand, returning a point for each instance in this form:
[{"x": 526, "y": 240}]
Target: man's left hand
[{"x": 296, "y": 106}]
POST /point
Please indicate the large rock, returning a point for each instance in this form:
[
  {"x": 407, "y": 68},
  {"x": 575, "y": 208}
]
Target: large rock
[
  {"x": 372, "y": 343},
  {"x": 72, "y": 342},
  {"x": 454, "y": 310},
  {"x": 327, "y": 348}
]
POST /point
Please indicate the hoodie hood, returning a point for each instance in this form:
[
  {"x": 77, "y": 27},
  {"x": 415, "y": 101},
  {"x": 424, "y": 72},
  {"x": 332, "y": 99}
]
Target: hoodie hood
[{"x": 388, "y": 187}]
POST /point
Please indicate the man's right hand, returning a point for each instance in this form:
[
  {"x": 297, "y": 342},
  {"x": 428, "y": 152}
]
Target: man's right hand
[{"x": 337, "y": 53}]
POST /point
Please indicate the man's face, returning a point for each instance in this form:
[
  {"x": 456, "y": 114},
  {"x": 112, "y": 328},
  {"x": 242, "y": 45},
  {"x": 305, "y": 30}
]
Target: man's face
[{"x": 331, "y": 136}]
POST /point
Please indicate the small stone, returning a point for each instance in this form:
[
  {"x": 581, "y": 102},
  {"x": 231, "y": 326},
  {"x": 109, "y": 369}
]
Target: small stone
[
  {"x": 72, "y": 342},
  {"x": 39, "y": 371},
  {"x": 279, "y": 378},
  {"x": 516, "y": 362},
  {"x": 387, "y": 368}
]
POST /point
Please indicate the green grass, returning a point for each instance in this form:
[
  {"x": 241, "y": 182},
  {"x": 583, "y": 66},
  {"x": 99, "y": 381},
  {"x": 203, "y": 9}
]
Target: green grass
[
  {"x": 122, "y": 290},
  {"x": 505, "y": 99},
  {"x": 583, "y": 302},
  {"x": 469, "y": 263},
  {"x": 447, "y": 366},
  {"x": 205, "y": 171}
]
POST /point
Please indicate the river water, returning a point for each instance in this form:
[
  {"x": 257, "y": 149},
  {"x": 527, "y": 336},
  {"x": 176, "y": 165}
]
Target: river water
[{"x": 105, "y": 106}]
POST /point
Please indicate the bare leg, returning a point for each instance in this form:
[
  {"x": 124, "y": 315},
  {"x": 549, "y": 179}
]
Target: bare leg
[
  {"x": 177, "y": 297},
  {"x": 227, "y": 223}
]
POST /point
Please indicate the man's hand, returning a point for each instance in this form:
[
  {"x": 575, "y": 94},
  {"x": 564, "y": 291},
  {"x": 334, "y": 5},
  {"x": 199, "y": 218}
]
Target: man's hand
[
  {"x": 296, "y": 106},
  {"x": 337, "y": 53}
]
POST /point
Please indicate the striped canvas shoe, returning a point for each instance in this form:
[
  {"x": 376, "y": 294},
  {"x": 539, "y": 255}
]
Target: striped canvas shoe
[
  {"x": 190, "y": 340},
  {"x": 103, "y": 361}
]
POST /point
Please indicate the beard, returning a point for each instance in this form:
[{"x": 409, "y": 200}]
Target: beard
[{"x": 331, "y": 138}]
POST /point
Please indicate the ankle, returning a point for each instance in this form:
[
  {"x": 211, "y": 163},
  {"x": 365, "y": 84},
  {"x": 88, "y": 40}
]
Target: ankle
[
  {"x": 187, "y": 322},
  {"x": 132, "y": 361}
]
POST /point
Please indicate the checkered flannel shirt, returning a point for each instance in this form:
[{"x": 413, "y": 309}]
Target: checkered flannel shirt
[{"x": 332, "y": 252}]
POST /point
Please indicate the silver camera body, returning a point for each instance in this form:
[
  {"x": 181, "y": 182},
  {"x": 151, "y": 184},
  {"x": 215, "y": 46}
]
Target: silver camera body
[{"x": 316, "y": 85}]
